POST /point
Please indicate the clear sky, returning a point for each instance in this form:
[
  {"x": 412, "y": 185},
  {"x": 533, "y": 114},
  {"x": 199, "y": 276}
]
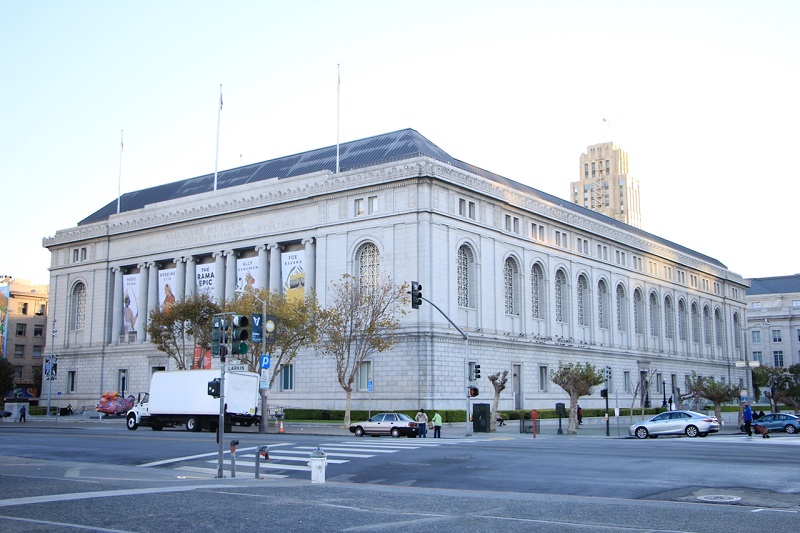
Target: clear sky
[{"x": 703, "y": 95}]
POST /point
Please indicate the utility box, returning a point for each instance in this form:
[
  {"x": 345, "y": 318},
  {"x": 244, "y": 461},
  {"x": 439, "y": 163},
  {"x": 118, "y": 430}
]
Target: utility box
[{"x": 480, "y": 417}]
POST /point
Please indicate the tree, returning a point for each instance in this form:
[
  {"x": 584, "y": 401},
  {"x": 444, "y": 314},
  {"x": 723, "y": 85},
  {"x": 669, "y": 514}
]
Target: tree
[
  {"x": 717, "y": 392},
  {"x": 694, "y": 390},
  {"x": 576, "y": 379},
  {"x": 6, "y": 377},
  {"x": 499, "y": 383},
  {"x": 181, "y": 327},
  {"x": 360, "y": 321},
  {"x": 770, "y": 379},
  {"x": 786, "y": 387},
  {"x": 640, "y": 388}
]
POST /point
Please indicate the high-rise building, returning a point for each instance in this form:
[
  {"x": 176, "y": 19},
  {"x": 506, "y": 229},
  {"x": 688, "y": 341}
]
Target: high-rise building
[{"x": 605, "y": 186}]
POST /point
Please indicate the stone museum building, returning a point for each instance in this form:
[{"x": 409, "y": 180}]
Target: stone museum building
[{"x": 531, "y": 279}]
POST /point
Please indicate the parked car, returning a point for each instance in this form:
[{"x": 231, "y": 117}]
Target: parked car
[
  {"x": 778, "y": 422},
  {"x": 394, "y": 424},
  {"x": 689, "y": 423}
]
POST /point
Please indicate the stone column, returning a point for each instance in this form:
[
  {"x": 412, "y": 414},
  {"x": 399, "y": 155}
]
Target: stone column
[
  {"x": 274, "y": 268},
  {"x": 141, "y": 305},
  {"x": 219, "y": 277},
  {"x": 118, "y": 305},
  {"x": 263, "y": 266},
  {"x": 230, "y": 274},
  {"x": 191, "y": 277},
  {"x": 152, "y": 288},
  {"x": 180, "y": 279},
  {"x": 311, "y": 263}
]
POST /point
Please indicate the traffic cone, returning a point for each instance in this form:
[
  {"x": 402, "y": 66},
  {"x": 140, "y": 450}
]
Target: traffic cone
[{"x": 281, "y": 429}]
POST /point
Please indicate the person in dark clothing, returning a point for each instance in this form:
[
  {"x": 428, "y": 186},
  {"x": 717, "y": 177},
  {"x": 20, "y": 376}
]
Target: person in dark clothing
[
  {"x": 580, "y": 415},
  {"x": 747, "y": 417},
  {"x": 22, "y": 413}
]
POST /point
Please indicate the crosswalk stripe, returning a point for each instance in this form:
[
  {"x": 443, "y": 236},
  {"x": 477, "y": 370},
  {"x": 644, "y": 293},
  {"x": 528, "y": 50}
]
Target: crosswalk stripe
[{"x": 355, "y": 455}]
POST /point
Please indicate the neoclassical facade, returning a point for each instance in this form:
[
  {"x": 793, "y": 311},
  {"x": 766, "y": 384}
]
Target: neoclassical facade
[{"x": 532, "y": 280}]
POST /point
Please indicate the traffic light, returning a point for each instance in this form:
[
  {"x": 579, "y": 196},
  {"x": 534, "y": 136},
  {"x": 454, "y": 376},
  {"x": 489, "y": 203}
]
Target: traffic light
[
  {"x": 416, "y": 295},
  {"x": 477, "y": 371},
  {"x": 604, "y": 393},
  {"x": 239, "y": 334},
  {"x": 608, "y": 373},
  {"x": 473, "y": 391},
  {"x": 213, "y": 388}
]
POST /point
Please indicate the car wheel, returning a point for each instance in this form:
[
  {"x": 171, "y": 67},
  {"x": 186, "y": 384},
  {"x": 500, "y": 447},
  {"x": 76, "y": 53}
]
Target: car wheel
[
  {"x": 691, "y": 431},
  {"x": 395, "y": 432},
  {"x": 359, "y": 432},
  {"x": 642, "y": 433},
  {"x": 702, "y": 434},
  {"x": 131, "y": 422},
  {"x": 790, "y": 429}
]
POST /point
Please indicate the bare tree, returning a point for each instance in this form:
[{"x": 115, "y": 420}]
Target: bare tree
[
  {"x": 180, "y": 328},
  {"x": 499, "y": 383},
  {"x": 360, "y": 321},
  {"x": 640, "y": 392},
  {"x": 576, "y": 379}
]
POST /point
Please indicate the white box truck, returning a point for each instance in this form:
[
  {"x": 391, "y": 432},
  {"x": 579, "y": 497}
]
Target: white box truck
[{"x": 180, "y": 397}]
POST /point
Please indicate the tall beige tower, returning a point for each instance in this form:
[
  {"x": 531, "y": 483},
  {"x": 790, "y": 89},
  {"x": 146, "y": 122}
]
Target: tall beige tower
[{"x": 605, "y": 186}]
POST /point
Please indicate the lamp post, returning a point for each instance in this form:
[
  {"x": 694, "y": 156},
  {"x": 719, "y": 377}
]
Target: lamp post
[{"x": 664, "y": 390}]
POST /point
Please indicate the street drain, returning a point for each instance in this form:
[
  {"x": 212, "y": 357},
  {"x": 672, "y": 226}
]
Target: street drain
[{"x": 719, "y": 498}]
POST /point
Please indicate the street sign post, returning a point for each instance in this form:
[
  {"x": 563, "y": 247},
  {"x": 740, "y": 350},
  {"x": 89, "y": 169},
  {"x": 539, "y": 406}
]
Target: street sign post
[{"x": 264, "y": 361}]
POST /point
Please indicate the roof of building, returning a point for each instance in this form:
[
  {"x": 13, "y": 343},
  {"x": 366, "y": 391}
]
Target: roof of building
[
  {"x": 394, "y": 146},
  {"x": 774, "y": 285}
]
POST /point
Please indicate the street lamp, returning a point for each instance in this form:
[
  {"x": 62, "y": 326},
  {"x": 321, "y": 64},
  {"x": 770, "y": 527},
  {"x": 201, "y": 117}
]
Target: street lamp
[
  {"x": 262, "y": 425},
  {"x": 664, "y": 390}
]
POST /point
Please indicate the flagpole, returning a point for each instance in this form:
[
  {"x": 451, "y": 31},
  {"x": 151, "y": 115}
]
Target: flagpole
[
  {"x": 338, "y": 85},
  {"x": 119, "y": 177},
  {"x": 216, "y": 159}
]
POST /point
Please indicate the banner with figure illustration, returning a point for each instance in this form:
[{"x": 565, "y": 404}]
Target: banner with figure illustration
[
  {"x": 166, "y": 287},
  {"x": 293, "y": 273},
  {"x": 247, "y": 273},
  {"x": 5, "y": 296},
  {"x": 130, "y": 302},
  {"x": 205, "y": 279}
]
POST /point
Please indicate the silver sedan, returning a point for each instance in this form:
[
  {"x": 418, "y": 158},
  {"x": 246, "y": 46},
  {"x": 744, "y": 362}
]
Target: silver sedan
[{"x": 689, "y": 423}]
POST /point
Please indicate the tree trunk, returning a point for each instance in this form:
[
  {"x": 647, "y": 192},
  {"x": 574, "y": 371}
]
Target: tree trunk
[
  {"x": 493, "y": 416},
  {"x": 572, "y": 427},
  {"x": 347, "y": 394}
]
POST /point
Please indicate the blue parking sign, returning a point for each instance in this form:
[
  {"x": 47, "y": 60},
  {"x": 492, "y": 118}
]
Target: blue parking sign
[{"x": 264, "y": 361}]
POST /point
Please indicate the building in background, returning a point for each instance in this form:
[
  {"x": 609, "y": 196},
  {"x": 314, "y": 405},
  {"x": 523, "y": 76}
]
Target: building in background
[
  {"x": 605, "y": 185},
  {"x": 773, "y": 320},
  {"x": 532, "y": 279},
  {"x": 24, "y": 338}
]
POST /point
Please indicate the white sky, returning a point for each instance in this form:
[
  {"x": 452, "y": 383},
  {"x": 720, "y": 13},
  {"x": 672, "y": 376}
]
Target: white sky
[{"x": 703, "y": 95}]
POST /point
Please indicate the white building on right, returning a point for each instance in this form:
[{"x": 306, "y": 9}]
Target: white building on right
[{"x": 773, "y": 320}]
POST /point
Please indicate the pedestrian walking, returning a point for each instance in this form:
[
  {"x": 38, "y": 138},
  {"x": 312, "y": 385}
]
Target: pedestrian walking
[
  {"x": 22, "y": 413},
  {"x": 580, "y": 415},
  {"x": 422, "y": 424},
  {"x": 747, "y": 416},
  {"x": 437, "y": 426}
]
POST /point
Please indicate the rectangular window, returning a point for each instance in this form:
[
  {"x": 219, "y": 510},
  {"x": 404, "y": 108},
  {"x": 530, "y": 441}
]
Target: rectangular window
[
  {"x": 287, "y": 377},
  {"x": 37, "y": 350},
  {"x": 472, "y": 210},
  {"x": 462, "y": 207},
  {"x": 372, "y": 205},
  {"x": 19, "y": 350},
  {"x": 364, "y": 375},
  {"x": 756, "y": 337},
  {"x": 358, "y": 207},
  {"x": 543, "y": 378},
  {"x": 795, "y": 303},
  {"x": 508, "y": 222},
  {"x": 75, "y": 255},
  {"x": 516, "y": 225},
  {"x": 626, "y": 381},
  {"x": 18, "y": 372},
  {"x": 40, "y": 312},
  {"x": 776, "y": 335},
  {"x": 23, "y": 308},
  {"x": 777, "y": 356},
  {"x": 83, "y": 254},
  {"x": 758, "y": 356},
  {"x": 71, "y": 377},
  {"x": 659, "y": 383},
  {"x": 21, "y": 331},
  {"x": 38, "y": 330}
]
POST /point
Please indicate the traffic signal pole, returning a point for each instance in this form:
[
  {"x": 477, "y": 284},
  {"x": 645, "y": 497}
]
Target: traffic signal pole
[{"x": 466, "y": 354}]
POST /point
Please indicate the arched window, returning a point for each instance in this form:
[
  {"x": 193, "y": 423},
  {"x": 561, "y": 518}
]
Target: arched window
[
  {"x": 638, "y": 312},
  {"x": 718, "y": 329},
  {"x": 79, "y": 306},
  {"x": 538, "y": 303},
  {"x": 622, "y": 310},
  {"x": 737, "y": 339},
  {"x": 669, "y": 318},
  {"x": 582, "y": 294},
  {"x": 602, "y": 304},
  {"x": 511, "y": 286},
  {"x": 696, "y": 329},
  {"x": 655, "y": 317},
  {"x": 560, "y": 285},
  {"x": 465, "y": 273},
  {"x": 708, "y": 326},
  {"x": 683, "y": 321},
  {"x": 369, "y": 265}
]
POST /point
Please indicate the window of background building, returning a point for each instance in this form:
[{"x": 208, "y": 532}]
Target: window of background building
[
  {"x": 364, "y": 375},
  {"x": 37, "y": 350},
  {"x": 543, "y": 378},
  {"x": 776, "y": 335},
  {"x": 287, "y": 377},
  {"x": 626, "y": 381},
  {"x": 71, "y": 377},
  {"x": 18, "y": 372},
  {"x": 464, "y": 273},
  {"x": 38, "y": 330},
  {"x": 19, "y": 350},
  {"x": 756, "y": 337},
  {"x": 758, "y": 356},
  {"x": 777, "y": 356},
  {"x": 21, "y": 329},
  {"x": 795, "y": 303},
  {"x": 358, "y": 207},
  {"x": 23, "y": 308},
  {"x": 372, "y": 205},
  {"x": 79, "y": 306}
]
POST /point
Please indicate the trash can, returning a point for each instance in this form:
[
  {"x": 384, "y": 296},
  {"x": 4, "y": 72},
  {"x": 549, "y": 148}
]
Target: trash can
[{"x": 480, "y": 417}]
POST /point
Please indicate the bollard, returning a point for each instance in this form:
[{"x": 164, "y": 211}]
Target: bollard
[
  {"x": 317, "y": 465},
  {"x": 234, "y": 444},
  {"x": 263, "y": 451}
]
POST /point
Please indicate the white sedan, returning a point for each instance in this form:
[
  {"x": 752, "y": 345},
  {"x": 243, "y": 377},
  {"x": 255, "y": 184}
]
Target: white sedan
[{"x": 689, "y": 423}]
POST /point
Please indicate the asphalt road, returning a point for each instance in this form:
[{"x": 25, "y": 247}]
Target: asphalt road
[{"x": 101, "y": 477}]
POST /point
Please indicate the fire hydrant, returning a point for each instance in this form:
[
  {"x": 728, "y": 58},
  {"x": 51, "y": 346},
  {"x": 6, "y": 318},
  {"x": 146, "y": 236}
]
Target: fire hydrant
[{"x": 317, "y": 465}]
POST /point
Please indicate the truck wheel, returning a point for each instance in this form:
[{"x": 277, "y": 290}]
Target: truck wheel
[
  {"x": 131, "y": 422},
  {"x": 194, "y": 424}
]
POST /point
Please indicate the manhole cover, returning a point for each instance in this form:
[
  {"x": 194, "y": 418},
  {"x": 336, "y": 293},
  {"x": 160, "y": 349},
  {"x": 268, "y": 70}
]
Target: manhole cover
[{"x": 718, "y": 498}]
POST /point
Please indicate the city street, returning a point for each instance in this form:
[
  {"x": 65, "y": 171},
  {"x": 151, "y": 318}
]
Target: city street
[{"x": 102, "y": 477}]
